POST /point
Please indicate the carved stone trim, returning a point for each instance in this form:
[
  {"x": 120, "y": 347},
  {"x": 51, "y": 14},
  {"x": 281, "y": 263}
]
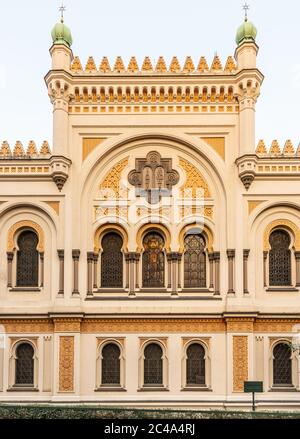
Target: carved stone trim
[
  {"x": 153, "y": 177},
  {"x": 285, "y": 224},
  {"x": 240, "y": 362},
  {"x": 22, "y": 225},
  {"x": 66, "y": 364}
]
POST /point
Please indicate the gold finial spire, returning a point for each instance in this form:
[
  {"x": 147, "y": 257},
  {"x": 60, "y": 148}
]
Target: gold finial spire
[
  {"x": 62, "y": 9},
  {"x": 246, "y": 8}
]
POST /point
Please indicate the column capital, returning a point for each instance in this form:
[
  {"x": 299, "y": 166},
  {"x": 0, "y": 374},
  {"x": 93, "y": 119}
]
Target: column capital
[
  {"x": 217, "y": 256},
  {"x": 90, "y": 256},
  {"x": 246, "y": 254},
  {"x": 10, "y": 256},
  {"x": 132, "y": 256},
  {"x": 230, "y": 254},
  {"x": 174, "y": 256},
  {"x": 61, "y": 253},
  {"x": 75, "y": 254}
]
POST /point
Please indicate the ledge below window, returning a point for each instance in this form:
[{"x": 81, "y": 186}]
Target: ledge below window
[
  {"x": 283, "y": 389},
  {"x": 282, "y": 289},
  {"x": 110, "y": 389},
  {"x": 196, "y": 389},
  {"x": 25, "y": 289},
  {"x": 22, "y": 389},
  {"x": 153, "y": 389}
]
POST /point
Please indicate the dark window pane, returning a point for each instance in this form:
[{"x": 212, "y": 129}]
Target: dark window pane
[
  {"x": 153, "y": 261},
  {"x": 24, "y": 364},
  {"x": 282, "y": 365},
  {"x": 280, "y": 259},
  {"x": 153, "y": 365},
  {"x": 111, "y": 364},
  {"x": 195, "y": 365},
  {"x": 112, "y": 261},
  {"x": 27, "y": 260},
  {"x": 194, "y": 262}
]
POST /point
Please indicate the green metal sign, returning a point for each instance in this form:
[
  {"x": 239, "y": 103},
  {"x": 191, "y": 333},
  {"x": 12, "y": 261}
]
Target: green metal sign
[{"x": 253, "y": 387}]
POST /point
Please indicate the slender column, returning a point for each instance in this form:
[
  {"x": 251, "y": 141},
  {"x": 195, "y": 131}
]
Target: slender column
[
  {"x": 169, "y": 262},
  {"x": 265, "y": 268},
  {"x": 245, "y": 270},
  {"x": 230, "y": 256},
  {"x": 173, "y": 259},
  {"x": 75, "y": 256},
  {"x": 42, "y": 268},
  {"x": 10, "y": 257},
  {"x": 179, "y": 270},
  {"x": 96, "y": 257},
  {"x": 211, "y": 270},
  {"x": 137, "y": 277},
  {"x": 127, "y": 270},
  {"x": 217, "y": 257},
  {"x": 132, "y": 257},
  {"x": 90, "y": 262},
  {"x": 297, "y": 257},
  {"x": 61, "y": 256}
]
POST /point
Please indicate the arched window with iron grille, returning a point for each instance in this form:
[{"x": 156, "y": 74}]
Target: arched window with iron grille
[
  {"x": 194, "y": 261},
  {"x": 153, "y": 365},
  {"x": 27, "y": 260},
  {"x": 24, "y": 365},
  {"x": 280, "y": 259},
  {"x": 195, "y": 365},
  {"x": 153, "y": 261},
  {"x": 282, "y": 365},
  {"x": 110, "y": 369},
  {"x": 112, "y": 261}
]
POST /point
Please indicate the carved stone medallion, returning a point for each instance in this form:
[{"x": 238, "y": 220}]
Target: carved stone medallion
[{"x": 153, "y": 177}]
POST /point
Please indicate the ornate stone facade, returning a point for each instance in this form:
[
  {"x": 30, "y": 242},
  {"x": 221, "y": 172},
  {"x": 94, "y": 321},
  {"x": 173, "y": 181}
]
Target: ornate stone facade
[{"x": 187, "y": 131}]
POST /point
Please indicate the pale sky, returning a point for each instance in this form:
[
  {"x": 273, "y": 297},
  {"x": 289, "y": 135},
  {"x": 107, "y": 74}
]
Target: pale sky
[{"x": 153, "y": 28}]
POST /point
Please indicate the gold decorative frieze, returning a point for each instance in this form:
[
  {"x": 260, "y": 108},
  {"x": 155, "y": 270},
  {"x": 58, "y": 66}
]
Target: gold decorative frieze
[
  {"x": 194, "y": 182},
  {"x": 240, "y": 325},
  {"x": 67, "y": 324},
  {"x": 66, "y": 364},
  {"x": 152, "y": 325},
  {"x": 27, "y": 326},
  {"x": 275, "y": 325},
  {"x": 112, "y": 181},
  {"x": 240, "y": 362},
  {"x": 217, "y": 143},
  {"x": 89, "y": 144}
]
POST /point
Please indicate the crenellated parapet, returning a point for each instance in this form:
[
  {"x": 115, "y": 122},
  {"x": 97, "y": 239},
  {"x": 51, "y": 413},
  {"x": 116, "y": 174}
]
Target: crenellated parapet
[
  {"x": 156, "y": 68},
  {"x": 19, "y": 163},
  {"x": 274, "y": 163}
]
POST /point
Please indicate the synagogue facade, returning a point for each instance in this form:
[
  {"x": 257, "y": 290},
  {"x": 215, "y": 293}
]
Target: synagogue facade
[{"x": 150, "y": 256}]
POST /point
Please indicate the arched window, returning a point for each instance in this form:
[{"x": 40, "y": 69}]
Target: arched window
[
  {"x": 195, "y": 365},
  {"x": 153, "y": 365},
  {"x": 112, "y": 261},
  {"x": 153, "y": 261},
  {"x": 110, "y": 365},
  {"x": 27, "y": 260},
  {"x": 282, "y": 365},
  {"x": 280, "y": 259},
  {"x": 24, "y": 365},
  {"x": 194, "y": 261}
]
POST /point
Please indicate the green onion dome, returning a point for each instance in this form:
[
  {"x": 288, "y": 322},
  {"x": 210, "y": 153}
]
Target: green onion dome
[
  {"x": 246, "y": 32},
  {"x": 61, "y": 34}
]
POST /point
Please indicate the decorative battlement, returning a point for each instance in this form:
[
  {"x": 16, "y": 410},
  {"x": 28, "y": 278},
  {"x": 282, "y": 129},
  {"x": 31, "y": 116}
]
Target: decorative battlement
[
  {"x": 18, "y": 151},
  {"x": 276, "y": 163},
  {"x": 276, "y": 151},
  {"x": 32, "y": 164},
  {"x": 159, "y": 68}
]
